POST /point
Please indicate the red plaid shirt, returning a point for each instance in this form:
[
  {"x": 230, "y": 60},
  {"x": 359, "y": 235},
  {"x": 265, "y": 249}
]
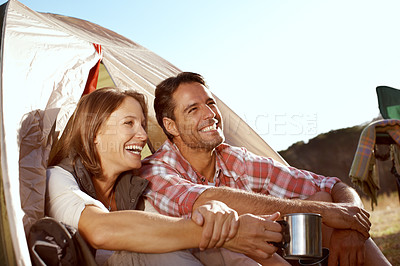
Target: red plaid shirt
[{"x": 175, "y": 185}]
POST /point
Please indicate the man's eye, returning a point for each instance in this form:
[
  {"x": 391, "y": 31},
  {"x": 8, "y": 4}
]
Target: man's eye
[{"x": 192, "y": 109}]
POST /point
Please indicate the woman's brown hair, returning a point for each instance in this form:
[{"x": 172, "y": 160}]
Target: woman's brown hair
[{"x": 91, "y": 112}]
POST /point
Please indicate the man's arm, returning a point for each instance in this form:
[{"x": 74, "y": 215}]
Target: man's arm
[
  {"x": 347, "y": 246},
  {"x": 342, "y": 193},
  {"x": 336, "y": 215}
]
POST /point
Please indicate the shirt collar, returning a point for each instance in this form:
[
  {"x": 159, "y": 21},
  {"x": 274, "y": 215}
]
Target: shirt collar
[{"x": 220, "y": 164}]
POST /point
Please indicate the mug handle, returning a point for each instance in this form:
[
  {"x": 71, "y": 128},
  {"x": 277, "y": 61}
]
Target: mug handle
[{"x": 285, "y": 235}]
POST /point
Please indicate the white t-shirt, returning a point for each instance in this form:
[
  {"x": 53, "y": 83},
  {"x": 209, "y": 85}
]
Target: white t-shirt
[{"x": 64, "y": 199}]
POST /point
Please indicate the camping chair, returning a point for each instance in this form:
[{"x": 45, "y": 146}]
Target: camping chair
[
  {"x": 389, "y": 102},
  {"x": 385, "y": 132},
  {"x": 389, "y": 106}
]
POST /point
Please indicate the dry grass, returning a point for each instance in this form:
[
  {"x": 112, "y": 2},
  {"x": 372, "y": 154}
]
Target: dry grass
[{"x": 385, "y": 230}]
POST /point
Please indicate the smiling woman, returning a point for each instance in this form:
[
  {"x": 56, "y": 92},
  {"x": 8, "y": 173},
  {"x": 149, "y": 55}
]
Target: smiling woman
[{"x": 105, "y": 136}]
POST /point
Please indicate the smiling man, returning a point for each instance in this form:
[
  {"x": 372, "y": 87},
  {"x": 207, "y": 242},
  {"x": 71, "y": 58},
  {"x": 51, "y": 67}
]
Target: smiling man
[{"x": 195, "y": 165}]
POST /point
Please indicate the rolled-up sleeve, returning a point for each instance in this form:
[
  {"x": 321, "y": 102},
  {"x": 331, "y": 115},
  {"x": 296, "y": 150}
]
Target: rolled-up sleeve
[
  {"x": 268, "y": 176},
  {"x": 168, "y": 192}
]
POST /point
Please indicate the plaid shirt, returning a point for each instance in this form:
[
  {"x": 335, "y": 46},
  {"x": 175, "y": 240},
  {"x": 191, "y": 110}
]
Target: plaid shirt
[{"x": 175, "y": 185}]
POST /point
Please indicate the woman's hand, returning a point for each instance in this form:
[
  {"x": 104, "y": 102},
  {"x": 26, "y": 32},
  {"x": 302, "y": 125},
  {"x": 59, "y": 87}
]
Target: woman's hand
[
  {"x": 254, "y": 235},
  {"x": 220, "y": 223}
]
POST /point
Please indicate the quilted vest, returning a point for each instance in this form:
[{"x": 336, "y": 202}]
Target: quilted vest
[{"x": 128, "y": 188}]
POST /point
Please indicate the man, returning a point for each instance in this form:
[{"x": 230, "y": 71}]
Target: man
[{"x": 195, "y": 165}]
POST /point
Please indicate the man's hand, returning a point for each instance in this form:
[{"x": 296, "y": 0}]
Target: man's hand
[
  {"x": 347, "y": 216},
  {"x": 220, "y": 223},
  {"x": 346, "y": 248},
  {"x": 254, "y": 234}
]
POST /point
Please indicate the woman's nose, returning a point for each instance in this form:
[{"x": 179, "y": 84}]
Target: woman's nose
[{"x": 141, "y": 134}]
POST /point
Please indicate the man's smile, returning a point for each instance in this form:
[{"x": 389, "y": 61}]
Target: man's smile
[{"x": 209, "y": 128}]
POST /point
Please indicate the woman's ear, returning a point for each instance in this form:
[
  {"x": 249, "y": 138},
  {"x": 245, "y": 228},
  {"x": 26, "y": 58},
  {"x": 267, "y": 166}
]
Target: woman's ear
[
  {"x": 97, "y": 139},
  {"x": 170, "y": 126}
]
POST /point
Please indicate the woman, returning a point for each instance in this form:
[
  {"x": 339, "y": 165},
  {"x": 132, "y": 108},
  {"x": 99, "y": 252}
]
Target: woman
[{"x": 90, "y": 178}]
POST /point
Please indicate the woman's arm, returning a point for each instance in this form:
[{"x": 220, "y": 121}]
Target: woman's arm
[
  {"x": 137, "y": 231},
  {"x": 154, "y": 233}
]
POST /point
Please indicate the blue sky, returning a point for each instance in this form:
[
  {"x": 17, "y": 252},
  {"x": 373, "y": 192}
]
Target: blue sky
[{"x": 291, "y": 69}]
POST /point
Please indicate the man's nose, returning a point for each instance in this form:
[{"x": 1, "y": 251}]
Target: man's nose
[{"x": 208, "y": 113}]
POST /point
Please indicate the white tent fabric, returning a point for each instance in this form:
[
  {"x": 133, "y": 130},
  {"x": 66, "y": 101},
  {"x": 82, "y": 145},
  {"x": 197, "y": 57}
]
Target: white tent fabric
[{"x": 45, "y": 61}]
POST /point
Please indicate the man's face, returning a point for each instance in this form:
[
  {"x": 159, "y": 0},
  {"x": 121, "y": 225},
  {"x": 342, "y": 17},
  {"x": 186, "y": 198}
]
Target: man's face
[{"x": 197, "y": 118}]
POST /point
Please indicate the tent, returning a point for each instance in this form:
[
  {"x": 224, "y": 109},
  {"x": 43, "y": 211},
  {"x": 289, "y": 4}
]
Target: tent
[{"x": 46, "y": 63}]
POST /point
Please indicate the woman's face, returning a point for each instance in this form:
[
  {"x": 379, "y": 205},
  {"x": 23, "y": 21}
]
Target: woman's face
[{"x": 121, "y": 138}]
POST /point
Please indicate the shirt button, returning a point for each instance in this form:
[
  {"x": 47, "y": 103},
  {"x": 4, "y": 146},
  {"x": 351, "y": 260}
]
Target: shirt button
[
  {"x": 203, "y": 180},
  {"x": 133, "y": 200}
]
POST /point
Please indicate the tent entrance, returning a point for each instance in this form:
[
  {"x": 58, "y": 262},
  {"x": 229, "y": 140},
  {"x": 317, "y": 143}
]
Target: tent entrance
[{"x": 104, "y": 79}]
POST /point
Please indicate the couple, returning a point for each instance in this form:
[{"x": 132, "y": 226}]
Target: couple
[{"x": 191, "y": 175}]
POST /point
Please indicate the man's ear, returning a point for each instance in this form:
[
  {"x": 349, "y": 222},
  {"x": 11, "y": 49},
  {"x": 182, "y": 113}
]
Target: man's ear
[{"x": 170, "y": 126}]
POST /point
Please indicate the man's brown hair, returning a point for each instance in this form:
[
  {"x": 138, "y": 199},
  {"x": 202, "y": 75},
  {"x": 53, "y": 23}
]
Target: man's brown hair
[{"x": 164, "y": 105}]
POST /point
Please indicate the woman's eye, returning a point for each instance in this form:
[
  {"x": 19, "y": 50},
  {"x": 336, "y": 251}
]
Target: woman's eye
[{"x": 129, "y": 123}]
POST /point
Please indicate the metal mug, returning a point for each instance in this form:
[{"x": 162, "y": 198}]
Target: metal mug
[{"x": 302, "y": 236}]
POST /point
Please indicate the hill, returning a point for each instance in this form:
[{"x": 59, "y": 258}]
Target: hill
[{"x": 332, "y": 153}]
